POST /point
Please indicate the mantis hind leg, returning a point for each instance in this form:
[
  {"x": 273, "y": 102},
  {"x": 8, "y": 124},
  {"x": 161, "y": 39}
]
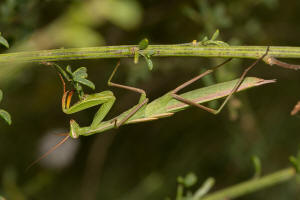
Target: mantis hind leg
[
  {"x": 234, "y": 89},
  {"x": 142, "y": 101}
]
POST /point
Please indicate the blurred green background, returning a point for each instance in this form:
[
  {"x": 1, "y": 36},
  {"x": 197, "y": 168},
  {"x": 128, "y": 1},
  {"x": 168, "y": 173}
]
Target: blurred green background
[{"x": 142, "y": 161}]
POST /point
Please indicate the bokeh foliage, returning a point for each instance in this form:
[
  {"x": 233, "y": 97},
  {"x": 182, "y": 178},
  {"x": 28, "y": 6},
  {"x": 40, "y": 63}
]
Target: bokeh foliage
[{"x": 143, "y": 161}]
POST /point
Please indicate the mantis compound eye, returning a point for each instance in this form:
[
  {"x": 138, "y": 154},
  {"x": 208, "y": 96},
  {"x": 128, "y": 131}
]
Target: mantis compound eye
[{"x": 74, "y": 129}]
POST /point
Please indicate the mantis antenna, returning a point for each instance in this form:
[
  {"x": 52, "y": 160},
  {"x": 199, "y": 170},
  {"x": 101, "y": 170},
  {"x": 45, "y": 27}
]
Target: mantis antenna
[
  {"x": 48, "y": 152},
  {"x": 60, "y": 134}
]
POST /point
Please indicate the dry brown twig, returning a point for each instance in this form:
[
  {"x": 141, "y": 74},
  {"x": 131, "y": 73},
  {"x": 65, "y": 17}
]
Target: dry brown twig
[{"x": 296, "y": 109}]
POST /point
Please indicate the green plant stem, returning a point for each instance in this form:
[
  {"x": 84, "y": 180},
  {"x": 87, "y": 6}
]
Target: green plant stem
[
  {"x": 188, "y": 49},
  {"x": 252, "y": 185}
]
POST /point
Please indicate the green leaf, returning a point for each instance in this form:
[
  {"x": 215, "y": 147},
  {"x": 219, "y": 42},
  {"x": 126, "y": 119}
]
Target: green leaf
[
  {"x": 69, "y": 70},
  {"x": 85, "y": 82},
  {"x": 215, "y": 35},
  {"x": 143, "y": 44},
  {"x": 257, "y": 166},
  {"x": 1, "y": 95},
  {"x": 220, "y": 43},
  {"x": 148, "y": 60},
  {"x": 3, "y": 41},
  {"x": 189, "y": 180},
  {"x": 78, "y": 89},
  {"x": 204, "y": 39},
  {"x": 62, "y": 72},
  {"x": 80, "y": 73},
  {"x": 149, "y": 63},
  {"x": 6, "y": 116}
]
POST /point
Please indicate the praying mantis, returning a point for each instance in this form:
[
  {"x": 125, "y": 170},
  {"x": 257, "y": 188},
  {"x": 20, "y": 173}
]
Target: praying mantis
[
  {"x": 164, "y": 106},
  {"x": 142, "y": 112}
]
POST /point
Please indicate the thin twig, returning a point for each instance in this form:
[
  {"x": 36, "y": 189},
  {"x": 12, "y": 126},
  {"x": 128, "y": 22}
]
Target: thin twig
[{"x": 273, "y": 61}]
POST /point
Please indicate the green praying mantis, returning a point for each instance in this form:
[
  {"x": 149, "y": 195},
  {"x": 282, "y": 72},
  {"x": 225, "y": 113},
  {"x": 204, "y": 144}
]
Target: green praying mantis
[{"x": 164, "y": 106}]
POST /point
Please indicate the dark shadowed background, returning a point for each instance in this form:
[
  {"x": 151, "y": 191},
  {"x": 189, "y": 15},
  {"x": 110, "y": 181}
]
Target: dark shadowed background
[{"x": 142, "y": 161}]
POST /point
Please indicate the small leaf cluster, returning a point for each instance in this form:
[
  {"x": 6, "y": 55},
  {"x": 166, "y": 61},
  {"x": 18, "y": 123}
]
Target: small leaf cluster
[
  {"x": 77, "y": 79},
  {"x": 143, "y": 44},
  {"x": 189, "y": 180},
  {"x": 4, "y": 114},
  {"x": 213, "y": 40}
]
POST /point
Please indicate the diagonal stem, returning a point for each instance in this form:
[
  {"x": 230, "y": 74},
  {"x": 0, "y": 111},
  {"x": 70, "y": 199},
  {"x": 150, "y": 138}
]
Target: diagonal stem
[{"x": 252, "y": 185}]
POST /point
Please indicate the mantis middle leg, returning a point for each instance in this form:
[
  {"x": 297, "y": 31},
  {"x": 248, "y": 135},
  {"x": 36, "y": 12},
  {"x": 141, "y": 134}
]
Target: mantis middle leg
[{"x": 142, "y": 101}]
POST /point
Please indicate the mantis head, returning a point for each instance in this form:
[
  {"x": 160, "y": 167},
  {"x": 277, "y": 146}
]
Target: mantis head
[{"x": 74, "y": 129}]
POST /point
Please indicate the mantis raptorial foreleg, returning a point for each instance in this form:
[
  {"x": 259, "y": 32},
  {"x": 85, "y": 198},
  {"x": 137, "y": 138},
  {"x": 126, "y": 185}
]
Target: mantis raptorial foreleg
[
  {"x": 106, "y": 98},
  {"x": 234, "y": 89}
]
